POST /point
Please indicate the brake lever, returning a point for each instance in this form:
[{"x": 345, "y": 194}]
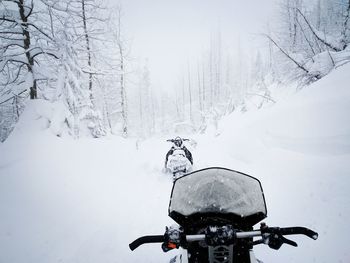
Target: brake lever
[
  {"x": 273, "y": 238},
  {"x": 275, "y": 241},
  {"x": 289, "y": 242}
]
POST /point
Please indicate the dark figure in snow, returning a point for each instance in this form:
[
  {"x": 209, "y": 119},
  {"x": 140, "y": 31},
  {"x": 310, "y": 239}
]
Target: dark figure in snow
[{"x": 178, "y": 144}]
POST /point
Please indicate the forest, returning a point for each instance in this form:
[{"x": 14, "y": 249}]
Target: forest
[{"x": 77, "y": 56}]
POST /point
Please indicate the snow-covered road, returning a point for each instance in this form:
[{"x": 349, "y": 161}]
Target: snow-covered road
[{"x": 64, "y": 200}]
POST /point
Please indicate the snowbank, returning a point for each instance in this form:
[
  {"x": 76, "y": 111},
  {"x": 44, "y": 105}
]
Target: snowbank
[
  {"x": 41, "y": 117},
  {"x": 300, "y": 150}
]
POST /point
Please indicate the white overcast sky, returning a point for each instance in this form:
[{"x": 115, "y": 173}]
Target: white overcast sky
[{"x": 170, "y": 32}]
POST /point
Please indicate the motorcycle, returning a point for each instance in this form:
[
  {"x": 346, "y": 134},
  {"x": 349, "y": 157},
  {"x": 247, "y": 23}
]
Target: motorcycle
[
  {"x": 216, "y": 209},
  {"x": 178, "y": 162}
]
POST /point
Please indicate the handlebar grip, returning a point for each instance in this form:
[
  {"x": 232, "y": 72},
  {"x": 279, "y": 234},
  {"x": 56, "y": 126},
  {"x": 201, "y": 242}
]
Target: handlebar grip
[
  {"x": 299, "y": 230},
  {"x": 146, "y": 239}
]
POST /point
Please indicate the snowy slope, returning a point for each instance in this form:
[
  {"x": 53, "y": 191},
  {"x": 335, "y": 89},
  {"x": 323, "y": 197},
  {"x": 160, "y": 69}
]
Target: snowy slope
[
  {"x": 64, "y": 200},
  {"x": 300, "y": 150}
]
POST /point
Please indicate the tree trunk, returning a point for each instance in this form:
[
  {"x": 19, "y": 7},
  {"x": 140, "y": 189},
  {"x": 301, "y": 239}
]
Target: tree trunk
[
  {"x": 122, "y": 92},
  {"x": 26, "y": 47},
  {"x": 200, "y": 89},
  {"x": 122, "y": 78},
  {"x": 88, "y": 49},
  {"x": 346, "y": 31},
  {"x": 203, "y": 83},
  {"x": 190, "y": 93},
  {"x": 141, "y": 110}
]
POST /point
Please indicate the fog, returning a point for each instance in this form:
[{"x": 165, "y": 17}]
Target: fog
[{"x": 171, "y": 34}]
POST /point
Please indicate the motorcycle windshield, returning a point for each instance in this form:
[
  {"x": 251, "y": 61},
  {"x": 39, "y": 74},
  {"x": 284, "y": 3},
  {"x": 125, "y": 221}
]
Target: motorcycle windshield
[{"x": 217, "y": 190}]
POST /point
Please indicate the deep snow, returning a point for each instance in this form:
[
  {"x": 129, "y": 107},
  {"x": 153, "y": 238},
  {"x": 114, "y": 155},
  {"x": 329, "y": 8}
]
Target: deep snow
[{"x": 65, "y": 200}]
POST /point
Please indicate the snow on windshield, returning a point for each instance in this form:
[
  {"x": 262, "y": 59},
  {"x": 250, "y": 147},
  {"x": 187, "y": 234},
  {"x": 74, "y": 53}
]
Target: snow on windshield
[{"x": 217, "y": 190}]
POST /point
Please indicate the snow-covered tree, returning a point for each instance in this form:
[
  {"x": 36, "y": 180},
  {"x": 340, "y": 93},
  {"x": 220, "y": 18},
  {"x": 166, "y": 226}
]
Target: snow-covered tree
[
  {"x": 309, "y": 37},
  {"x": 25, "y": 45}
]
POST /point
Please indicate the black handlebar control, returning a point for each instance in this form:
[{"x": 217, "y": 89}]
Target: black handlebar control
[
  {"x": 146, "y": 239},
  {"x": 272, "y": 236},
  {"x": 288, "y": 231},
  {"x": 299, "y": 230}
]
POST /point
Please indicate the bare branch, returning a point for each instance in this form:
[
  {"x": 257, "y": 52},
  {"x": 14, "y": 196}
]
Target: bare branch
[
  {"x": 30, "y": 9},
  {"x": 12, "y": 33},
  {"x": 42, "y": 32},
  {"x": 8, "y": 20},
  {"x": 307, "y": 40},
  {"x": 46, "y": 53},
  {"x": 315, "y": 34},
  {"x": 14, "y": 61},
  {"x": 16, "y": 95},
  {"x": 263, "y": 96},
  {"x": 10, "y": 45},
  {"x": 18, "y": 73},
  {"x": 9, "y": 38},
  {"x": 287, "y": 55}
]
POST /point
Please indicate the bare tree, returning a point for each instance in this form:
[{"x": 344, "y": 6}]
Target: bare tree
[
  {"x": 121, "y": 46},
  {"x": 88, "y": 48},
  {"x": 19, "y": 50},
  {"x": 300, "y": 66},
  {"x": 77, "y": 26},
  {"x": 317, "y": 36},
  {"x": 189, "y": 92},
  {"x": 345, "y": 31},
  {"x": 321, "y": 27}
]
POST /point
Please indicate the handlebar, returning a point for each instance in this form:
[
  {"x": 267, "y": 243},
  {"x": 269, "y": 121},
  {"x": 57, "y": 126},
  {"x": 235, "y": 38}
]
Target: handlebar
[
  {"x": 173, "y": 140},
  {"x": 146, "y": 239},
  {"x": 271, "y": 230},
  {"x": 239, "y": 235},
  {"x": 293, "y": 231}
]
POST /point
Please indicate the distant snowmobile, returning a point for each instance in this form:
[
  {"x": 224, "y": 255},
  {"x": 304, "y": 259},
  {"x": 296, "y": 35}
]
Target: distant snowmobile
[{"x": 179, "y": 159}]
